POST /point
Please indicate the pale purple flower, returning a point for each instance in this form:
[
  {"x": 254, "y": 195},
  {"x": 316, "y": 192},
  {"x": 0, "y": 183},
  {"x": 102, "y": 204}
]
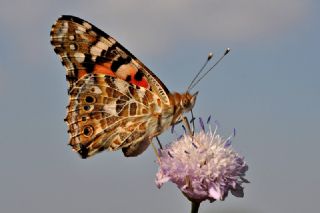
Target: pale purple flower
[{"x": 203, "y": 166}]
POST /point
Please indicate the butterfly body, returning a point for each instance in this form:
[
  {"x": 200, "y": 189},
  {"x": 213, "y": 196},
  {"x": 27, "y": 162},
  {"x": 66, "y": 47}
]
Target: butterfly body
[{"x": 116, "y": 102}]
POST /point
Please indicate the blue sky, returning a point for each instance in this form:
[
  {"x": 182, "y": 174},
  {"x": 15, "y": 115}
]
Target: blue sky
[{"x": 267, "y": 88}]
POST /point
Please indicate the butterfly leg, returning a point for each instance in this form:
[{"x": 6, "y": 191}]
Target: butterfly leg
[
  {"x": 160, "y": 145},
  {"x": 192, "y": 121}
]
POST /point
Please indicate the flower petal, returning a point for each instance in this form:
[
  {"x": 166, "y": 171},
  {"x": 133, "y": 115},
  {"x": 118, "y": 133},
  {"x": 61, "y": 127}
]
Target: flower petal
[
  {"x": 161, "y": 179},
  {"x": 238, "y": 192},
  {"x": 201, "y": 124},
  {"x": 215, "y": 193}
]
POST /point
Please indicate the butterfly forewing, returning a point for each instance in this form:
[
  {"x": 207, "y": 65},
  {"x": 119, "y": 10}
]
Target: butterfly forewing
[{"x": 84, "y": 49}]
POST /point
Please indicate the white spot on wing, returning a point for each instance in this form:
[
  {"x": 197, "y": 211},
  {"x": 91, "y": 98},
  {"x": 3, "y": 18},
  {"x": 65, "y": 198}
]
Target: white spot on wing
[
  {"x": 96, "y": 90},
  {"x": 79, "y": 32},
  {"x": 111, "y": 108},
  {"x": 79, "y": 57},
  {"x": 102, "y": 45},
  {"x": 87, "y": 25},
  {"x": 93, "y": 57},
  {"x": 81, "y": 28},
  {"x": 92, "y": 33},
  {"x": 125, "y": 70},
  {"x": 109, "y": 41},
  {"x": 95, "y": 51},
  {"x": 71, "y": 37},
  {"x": 135, "y": 63},
  {"x": 141, "y": 92},
  {"x": 121, "y": 85},
  {"x": 65, "y": 25},
  {"x": 72, "y": 47}
]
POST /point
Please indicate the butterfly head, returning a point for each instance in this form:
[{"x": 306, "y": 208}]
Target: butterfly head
[{"x": 187, "y": 101}]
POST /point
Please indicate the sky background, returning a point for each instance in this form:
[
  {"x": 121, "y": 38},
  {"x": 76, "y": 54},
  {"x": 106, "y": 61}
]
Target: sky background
[{"x": 267, "y": 88}]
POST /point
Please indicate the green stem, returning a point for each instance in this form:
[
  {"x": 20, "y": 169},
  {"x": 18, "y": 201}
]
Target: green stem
[{"x": 195, "y": 207}]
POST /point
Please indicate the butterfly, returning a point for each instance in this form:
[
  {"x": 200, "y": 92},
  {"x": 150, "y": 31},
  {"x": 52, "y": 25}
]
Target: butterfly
[{"x": 115, "y": 101}]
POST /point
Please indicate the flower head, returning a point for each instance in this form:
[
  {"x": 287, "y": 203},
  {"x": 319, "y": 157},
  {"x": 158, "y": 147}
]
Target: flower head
[{"x": 203, "y": 166}]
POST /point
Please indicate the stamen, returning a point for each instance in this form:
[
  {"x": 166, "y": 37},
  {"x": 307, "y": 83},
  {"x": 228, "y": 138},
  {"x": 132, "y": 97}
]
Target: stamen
[
  {"x": 201, "y": 124},
  {"x": 227, "y": 143},
  {"x": 188, "y": 182},
  {"x": 203, "y": 163},
  {"x": 180, "y": 137},
  {"x": 170, "y": 154},
  {"x": 194, "y": 145},
  {"x": 192, "y": 120},
  {"x": 184, "y": 129},
  {"x": 208, "y": 120},
  {"x": 244, "y": 180},
  {"x": 172, "y": 129},
  {"x": 185, "y": 151}
]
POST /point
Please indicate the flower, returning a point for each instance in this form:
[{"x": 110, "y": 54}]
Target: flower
[{"x": 203, "y": 166}]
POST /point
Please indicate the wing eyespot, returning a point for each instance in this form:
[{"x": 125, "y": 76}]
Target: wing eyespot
[
  {"x": 90, "y": 99},
  {"x": 87, "y": 108},
  {"x": 88, "y": 131}
]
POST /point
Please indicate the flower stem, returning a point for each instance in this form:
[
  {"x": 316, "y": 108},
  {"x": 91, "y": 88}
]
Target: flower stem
[{"x": 195, "y": 207}]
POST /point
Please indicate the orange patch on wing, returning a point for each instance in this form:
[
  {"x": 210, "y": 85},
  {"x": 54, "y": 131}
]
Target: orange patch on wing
[
  {"x": 81, "y": 73},
  {"x": 103, "y": 69}
]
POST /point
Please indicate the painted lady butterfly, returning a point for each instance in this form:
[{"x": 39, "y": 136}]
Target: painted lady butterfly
[{"x": 115, "y": 100}]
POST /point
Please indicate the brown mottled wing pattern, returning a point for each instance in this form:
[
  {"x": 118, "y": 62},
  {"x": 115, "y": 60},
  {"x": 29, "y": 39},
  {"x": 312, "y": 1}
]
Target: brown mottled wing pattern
[
  {"x": 85, "y": 49},
  {"x": 115, "y": 100},
  {"x": 108, "y": 113}
]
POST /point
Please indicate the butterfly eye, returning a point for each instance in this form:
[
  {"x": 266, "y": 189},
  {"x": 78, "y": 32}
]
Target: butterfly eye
[
  {"x": 185, "y": 103},
  {"x": 88, "y": 131}
]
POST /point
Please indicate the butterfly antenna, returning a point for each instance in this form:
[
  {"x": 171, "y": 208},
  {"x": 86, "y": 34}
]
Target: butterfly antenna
[
  {"x": 210, "y": 55},
  {"x": 195, "y": 83}
]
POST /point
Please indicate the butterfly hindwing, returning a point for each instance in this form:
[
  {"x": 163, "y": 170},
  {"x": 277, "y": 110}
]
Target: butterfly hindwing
[
  {"x": 108, "y": 113},
  {"x": 85, "y": 49}
]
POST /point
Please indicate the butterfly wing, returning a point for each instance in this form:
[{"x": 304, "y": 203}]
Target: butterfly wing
[
  {"x": 108, "y": 113},
  {"x": 85, "y": 49},
  {"x": 113, "y": 96}
]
